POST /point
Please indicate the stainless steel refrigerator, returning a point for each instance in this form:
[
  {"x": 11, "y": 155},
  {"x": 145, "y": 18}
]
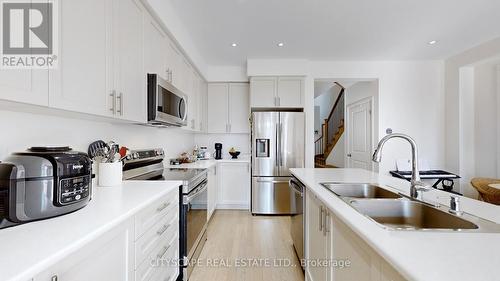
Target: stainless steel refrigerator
[{"x": 277, "y": 146}]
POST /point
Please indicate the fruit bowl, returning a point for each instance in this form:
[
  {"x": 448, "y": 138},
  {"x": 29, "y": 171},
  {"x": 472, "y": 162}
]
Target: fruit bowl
[{"x": 235, "y": 154}]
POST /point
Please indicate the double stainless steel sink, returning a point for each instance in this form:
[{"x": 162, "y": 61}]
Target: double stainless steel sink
[{"x": 398, "y": 212}]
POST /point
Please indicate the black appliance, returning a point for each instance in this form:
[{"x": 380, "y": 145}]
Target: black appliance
[
  {"x": 218, "y": 151},
  {"x": 43, "y": 182},
  {"x": 192, "y": 201},
  {"x": 167, "y": 105}
]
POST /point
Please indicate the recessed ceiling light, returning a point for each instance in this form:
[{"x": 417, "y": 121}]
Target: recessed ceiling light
[
  {"x": 281, "y": 44},
  {"x": 432, "y": 42},
  {"x": 234, "y": 45}
]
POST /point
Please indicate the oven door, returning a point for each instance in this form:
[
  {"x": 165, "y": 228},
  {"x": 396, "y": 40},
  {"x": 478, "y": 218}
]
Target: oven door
[
  {"x": 167, "y": 105},
  {"x": 193, "y": 224}
]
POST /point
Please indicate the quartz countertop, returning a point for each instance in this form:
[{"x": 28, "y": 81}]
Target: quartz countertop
[
  {"x": 416, "y": 255},
  {"x": 30, "y": 248}
]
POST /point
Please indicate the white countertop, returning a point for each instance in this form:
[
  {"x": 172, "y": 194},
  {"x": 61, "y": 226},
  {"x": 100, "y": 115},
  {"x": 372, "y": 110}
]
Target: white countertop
[
  {"x": 416, "y": 255},
  {"x": 28, "y": 249},
  {"x": 205, "y": 164}
]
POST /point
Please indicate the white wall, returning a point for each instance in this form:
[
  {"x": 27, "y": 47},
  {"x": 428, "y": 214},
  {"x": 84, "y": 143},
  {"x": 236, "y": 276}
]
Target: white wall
[
  {"x": 485, "y": 121},
  {"x": 21, "y": 130},
  {"x": 457, "y": 139},
  {"x": 411, "y": 100},
  {"x": 240, "y": 142},
  {"x": 337, "y": 156},
  {"x": 326, "y": 100}
]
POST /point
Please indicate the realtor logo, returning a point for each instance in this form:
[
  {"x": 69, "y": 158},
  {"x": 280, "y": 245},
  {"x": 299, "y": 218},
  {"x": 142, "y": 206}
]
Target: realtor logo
[{"x": 28, "y": 34}]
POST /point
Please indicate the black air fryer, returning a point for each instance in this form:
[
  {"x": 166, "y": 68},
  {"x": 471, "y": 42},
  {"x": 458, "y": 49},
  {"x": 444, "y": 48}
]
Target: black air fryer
[{"x": 218, "y": 151}]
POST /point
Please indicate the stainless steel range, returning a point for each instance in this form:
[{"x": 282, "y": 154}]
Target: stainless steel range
[{"x": 148, "y": 165}]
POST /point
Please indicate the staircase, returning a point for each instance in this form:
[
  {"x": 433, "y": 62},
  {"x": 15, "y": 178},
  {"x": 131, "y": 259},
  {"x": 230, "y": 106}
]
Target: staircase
[{"x": 332, "y": 130}]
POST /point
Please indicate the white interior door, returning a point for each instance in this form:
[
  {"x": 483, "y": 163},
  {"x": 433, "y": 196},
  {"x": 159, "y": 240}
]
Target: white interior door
[{"x": 359, "y": 132}]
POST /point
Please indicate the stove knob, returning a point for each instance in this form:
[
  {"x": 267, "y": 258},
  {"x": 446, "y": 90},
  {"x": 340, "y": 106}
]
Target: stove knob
[{"x": 135, "y": 155}]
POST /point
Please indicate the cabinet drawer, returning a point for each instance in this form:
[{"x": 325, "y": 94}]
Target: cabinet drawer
[
  {"x": 165, "y": 266},
  {"x": 152, "y": 214},
  {"x": 159, "y": 234}
]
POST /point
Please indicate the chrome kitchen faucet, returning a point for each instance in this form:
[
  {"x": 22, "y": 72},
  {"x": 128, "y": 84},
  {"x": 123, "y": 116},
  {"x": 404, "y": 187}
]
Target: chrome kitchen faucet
[{"x": 416, "y": 184}]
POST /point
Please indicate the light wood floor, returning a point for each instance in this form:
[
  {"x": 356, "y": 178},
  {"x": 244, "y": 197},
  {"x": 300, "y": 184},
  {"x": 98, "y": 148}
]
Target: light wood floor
[{"x": 235, "y": 236}]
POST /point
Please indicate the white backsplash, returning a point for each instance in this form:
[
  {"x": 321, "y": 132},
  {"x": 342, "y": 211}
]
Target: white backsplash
[
  {"x": 22, "y": 130},
  {"x": 240, "y": 142}
]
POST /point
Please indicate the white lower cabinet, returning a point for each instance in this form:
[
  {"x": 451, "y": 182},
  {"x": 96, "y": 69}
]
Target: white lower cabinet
[
  {"x": 329, "y": 239},
  {"x": 212, "y": 190},
  {"x": 144, "y": 247},
  {"x": 233, "y": 186},
  {"x": 318, "y": 239},
  {"x": 110, "y": 257}
]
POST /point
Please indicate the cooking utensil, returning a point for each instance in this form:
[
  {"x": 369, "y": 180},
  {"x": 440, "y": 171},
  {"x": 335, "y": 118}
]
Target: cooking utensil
[{"x": 96, "y": 149}]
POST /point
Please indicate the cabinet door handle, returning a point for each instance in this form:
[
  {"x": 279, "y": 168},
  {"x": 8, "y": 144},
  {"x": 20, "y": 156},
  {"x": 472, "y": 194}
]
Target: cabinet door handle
[
  {"x": 229, "y": 128},
  {"x": 113, "y": 101},
  {"x": 327, "y": 224},
  {"x": 321, "y": 218},
  {"x": 163, "y": 229},
  {"x": 120, "y": 97},
  {"x": 162, "y": 207},
  {"x": 279, "y": 101},
  {"x": 54, "y": 278},
  {"x": 162, "y": 252}
]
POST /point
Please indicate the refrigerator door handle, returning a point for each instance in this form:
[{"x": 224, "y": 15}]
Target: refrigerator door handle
[
  {"x": 281, "y": 146},
  {"x": 278, "y": 146}
]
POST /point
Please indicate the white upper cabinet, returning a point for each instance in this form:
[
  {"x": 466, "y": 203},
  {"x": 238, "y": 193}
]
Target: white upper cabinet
[
  {"x": 26, "y": 86},
  {"x": 155, "y": 48},
  {"x": 281, "y": 92},
  {"x": 263, "y": 91},
  {"x": 239, "y": 108},
  {"x": 82, "y": 82},
  {"x": 217, "y": 107},
  {"x": 290, "y": 92},
  {"x": 227, "y": 108},
  {"x": 128, "y": 60}
]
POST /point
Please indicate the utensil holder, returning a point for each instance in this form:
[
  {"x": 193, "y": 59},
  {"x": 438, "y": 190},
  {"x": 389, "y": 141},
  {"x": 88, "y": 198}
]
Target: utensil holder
[{"x": 110, "y": 174}]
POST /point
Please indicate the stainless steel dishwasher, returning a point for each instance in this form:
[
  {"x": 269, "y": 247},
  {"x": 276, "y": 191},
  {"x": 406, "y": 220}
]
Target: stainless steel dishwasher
[{"x": 297, "y": 198}]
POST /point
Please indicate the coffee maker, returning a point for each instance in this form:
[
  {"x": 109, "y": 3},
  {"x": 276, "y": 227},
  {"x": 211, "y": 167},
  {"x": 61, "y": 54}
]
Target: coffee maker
[{"x": 218, "y": 151}]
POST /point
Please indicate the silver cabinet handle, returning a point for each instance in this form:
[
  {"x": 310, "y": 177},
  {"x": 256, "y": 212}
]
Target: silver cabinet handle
[
  {"x": 120, "y": 97},
  {"x": 327, "y": 224},
  {"x": 54, "y": 278},
  {"x": 321, "y": 218},
  {"x": 279, "y": 101},
  {"x": 163, "y": 229},
  {"x": 229, "y": 128},
  {"x": 263, "y": 181},
  {"x": 113, "y": 101},
  {"x": 162, "y": 207},
  {"x": 163, "y": 251}
]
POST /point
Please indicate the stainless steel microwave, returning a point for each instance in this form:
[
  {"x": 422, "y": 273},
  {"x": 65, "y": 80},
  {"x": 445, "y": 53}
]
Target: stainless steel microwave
[{"x": 167, "y": 105}]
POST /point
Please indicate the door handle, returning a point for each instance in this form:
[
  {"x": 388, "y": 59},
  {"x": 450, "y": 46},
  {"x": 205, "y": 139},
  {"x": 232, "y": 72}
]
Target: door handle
[
  {"x": 349, "y": 155},
  {"x": 264, "y": 181},
  {"x": 113, "y": 101},
  {"x": 321, "y": 218},
  {"x": 120, "y": 97}
]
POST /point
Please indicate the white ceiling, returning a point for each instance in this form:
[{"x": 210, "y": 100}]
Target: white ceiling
[{"x": 337, "y": 29}]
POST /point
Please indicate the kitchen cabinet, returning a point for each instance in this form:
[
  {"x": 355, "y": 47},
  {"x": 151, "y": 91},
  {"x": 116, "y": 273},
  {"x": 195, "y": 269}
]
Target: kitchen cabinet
[
  {"x": 127, "y": 252},
  {"x": 217, "y": 107},
  {"x": 239, "y": 109},
  {"x": 155, "y": 49},
  {"x": 330, "y": 239},
  {"x": 212, "y": 190},
  {"x": 233, "y": 186},
  {"x": 110, "y": 257},
  {"x": 227, "y": 108},
  {"x": 129, "y": 76},
  {"x": 84, "y": 49},
  {"x": 281, "y": 92},
  {"x": 318, "y": 236},
  {"x": 25, "y": 85}
]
